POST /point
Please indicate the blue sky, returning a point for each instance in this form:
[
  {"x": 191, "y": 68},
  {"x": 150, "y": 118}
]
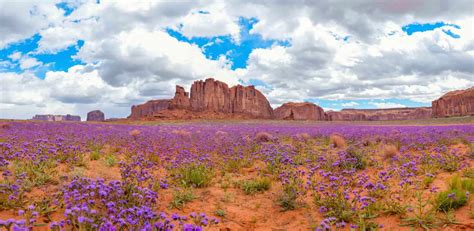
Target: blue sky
[
  {"x": 423, "y": 27},
  {"x": 137, "y": 51},
  {"x": 236, "y": 52},
  {"x": 59, "y": 61}
]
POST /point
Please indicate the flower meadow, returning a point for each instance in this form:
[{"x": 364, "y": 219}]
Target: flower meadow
[{"x": 235, "y": 176}]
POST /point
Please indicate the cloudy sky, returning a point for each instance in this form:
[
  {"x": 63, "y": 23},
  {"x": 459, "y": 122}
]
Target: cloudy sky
[{"x": 76, "y": 56}]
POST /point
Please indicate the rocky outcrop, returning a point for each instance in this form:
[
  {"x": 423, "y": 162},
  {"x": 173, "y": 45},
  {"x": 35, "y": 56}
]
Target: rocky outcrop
[
  {"x": 180, "y": 100},
  {"x": 379, "y": 114},
  {"x": 149, "y": 108},
  {"x": 95, "y": 115},
  {"x": 208, "y": 99},
  {"x": 454, "y": 103},
  {"x": 299, "y": 111},
  {"x": 57, "y": 117}
]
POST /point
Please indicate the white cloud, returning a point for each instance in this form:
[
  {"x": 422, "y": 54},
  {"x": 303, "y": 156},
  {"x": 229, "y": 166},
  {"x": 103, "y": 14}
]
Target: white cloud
[
  {"x": 28, "y": 62},
  {"x": 130, "y": 58},
  {"x": 350, "y": 104},
  {"x": 15, "y": 56},
  {"x": 387, "y": 105}
]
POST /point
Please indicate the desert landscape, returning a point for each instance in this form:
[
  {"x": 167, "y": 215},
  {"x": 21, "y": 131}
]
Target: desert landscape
[
  {"x": 222, "y": 159},
  {"x": 289, "y": 115}
]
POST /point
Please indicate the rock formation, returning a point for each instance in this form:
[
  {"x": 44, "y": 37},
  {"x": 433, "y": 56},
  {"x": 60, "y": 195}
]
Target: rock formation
[
  {"x": 95, "y": 115},
  {"x": 454, "y": 103},
  {"x": 57, "y": 117},
  {"x": 149, "y": 108},
  {"x": 212, "y": 99},
  {"x": 379, "y": 114},
  {"x": 299, "y": 111},
  {"x": 208, "y": 99}
]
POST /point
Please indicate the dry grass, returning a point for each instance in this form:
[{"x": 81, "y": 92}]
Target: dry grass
[
  {"x": 337, "y": 140},
  {"x": 134, "y": 132},
  {"x": 182, "y": 133},
  {"x": 303, "y": 136},
  {"x": 389, "y": 151},
  {"x": 263, "y": 137}
]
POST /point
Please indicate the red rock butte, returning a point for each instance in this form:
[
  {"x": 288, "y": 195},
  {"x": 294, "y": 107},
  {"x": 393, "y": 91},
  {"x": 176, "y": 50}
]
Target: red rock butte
[
  {"x": 208, "y": 99},
  {"x": 212, "y": 99},
  {"x": 454, "y": 103}
]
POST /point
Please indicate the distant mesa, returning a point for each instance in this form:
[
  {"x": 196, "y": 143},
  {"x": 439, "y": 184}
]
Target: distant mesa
[
  {"x": 299, "y": 111},
  {"x": 212, "y": 99},
  {"x": 407, "y": 113},
  {"x": 67, "y": 117},
  {"x": 454, "y": 103},
  {"x": 96, "y": 115}
]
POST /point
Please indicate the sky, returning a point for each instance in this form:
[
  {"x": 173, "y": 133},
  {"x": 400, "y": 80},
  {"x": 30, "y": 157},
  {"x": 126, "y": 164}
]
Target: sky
[{"x": 71, "y": 57}]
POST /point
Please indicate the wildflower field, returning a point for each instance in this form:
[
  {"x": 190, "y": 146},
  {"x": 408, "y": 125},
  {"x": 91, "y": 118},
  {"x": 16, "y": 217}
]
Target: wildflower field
[{"x": 235, "y": 176}]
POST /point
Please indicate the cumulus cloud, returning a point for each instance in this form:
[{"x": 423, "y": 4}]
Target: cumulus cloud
[{"x": 337, "y": 50}]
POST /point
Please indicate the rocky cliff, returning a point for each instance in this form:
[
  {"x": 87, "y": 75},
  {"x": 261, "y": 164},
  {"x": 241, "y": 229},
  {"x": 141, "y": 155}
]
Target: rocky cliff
[
  {"x": 95, "y": 115},
  {"x": 299, "y": 111},
  {"x": 379, "y": 114},
  {"x": 208, "y": 99},
  {"x": 149, "y": 108},
  {"x": 454, "y": 103}
]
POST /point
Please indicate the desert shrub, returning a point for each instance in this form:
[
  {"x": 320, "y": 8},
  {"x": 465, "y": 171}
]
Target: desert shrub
[
  {"x": 220, "y": 213},
  {"x": 389, "y": 151},
  {"x": 181, "y": 197},
  {"x": 355, "y": 158},
  {"x": 256, "y": 185},
  {"x": 303, "y": 136},
  {"x": 110, "y": 160},
  {"x": 5, "y": 125},
  {"x": 450, "y": 199},
  {"x": 95, "y": 154},
  {"x": 458, "y": 183},
  {"x": 288, "y": 198},
  {"x": 37, "y": 172},
  {"x": 334, "y": 206},
  {"x": 469, "y": 173},
  {"x": 337, "y": 140},
  {"x": 423, "y": 215},
  {"x": 195, "y": 175},
  {"x": 262, "y": 137},
  {"x": 134, "y": 133}
]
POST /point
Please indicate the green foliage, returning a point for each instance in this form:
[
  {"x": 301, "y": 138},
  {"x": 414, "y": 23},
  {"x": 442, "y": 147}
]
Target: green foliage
[
  {"x": 469, "y": 173},
  {"x": 287, "y": 199},
  {"x": 220, "y": 213},
  {"x": 110, "y": 160},
  {"x": 181, "y": 197},
  {"x": 37, "y": 172},
  {"x": 95, "y": 155},
  {"x": 458, "y": 183},
  {"x": 450, "y": 199},
  {"x": 424, "y": 215},
  {"x": 196, "y": 175},
  {"x": 335, "y": 206},
  {"x": 427, "y": 180},
  {"x": 256, "y": 185},
  {"x": 359, "y": 157}
]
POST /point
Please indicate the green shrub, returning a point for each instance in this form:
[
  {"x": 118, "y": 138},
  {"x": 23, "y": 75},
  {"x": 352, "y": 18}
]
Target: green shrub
[
  {"x": 469, "y": 173},
  {"x": 195, "y": 175},
  {"x": 450, "y": 199},
  {"x": 110, "y": 160},
  {"x": 220, "y": 212},
  {"x": 95, "y": 155},
  {"x": 181, "y": 197},
  {"x": 256, "y": 185}
]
